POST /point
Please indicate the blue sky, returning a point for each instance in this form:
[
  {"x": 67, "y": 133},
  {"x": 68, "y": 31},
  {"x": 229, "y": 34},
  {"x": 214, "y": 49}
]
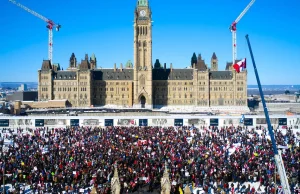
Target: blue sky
[{"x": 179, "y": 29}]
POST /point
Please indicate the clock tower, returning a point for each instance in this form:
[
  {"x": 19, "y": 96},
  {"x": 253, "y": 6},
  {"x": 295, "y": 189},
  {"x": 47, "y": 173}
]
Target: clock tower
[{"x": 142, "y": 55}]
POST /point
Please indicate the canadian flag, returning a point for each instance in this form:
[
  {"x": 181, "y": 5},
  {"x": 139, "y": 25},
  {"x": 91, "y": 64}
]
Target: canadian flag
[
  {"x": 239, "y": 65},
  {"x": 142, "y": 142}
]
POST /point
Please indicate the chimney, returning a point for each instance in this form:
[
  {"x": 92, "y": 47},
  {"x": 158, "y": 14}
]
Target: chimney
[
  {"x": 115, "y": 67},
  {"x": 171, "y": 67},
  {"x": 165, "y": 66},
  {"x": 121, "y": 67}
]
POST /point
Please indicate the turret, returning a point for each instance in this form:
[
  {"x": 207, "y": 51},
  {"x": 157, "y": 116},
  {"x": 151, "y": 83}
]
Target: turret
[
  {"x": 193, "y": 59},
  {"x": 93, "y": 61},
  {"x": 214, "y": 62},
  {"x": 73, "y": 61}
]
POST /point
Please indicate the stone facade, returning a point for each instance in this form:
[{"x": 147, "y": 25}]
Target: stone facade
[{"x": 143, "y": 84}]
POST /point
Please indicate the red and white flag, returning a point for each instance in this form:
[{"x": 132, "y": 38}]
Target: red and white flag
[
  {"x": 142, "y": 142},
  {"x": 239, "y": 65}
]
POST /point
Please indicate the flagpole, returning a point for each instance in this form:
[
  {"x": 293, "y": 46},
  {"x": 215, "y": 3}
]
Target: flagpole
[
  {"x": 3, "y": 166},
  {"x": 275, "y": 175}
]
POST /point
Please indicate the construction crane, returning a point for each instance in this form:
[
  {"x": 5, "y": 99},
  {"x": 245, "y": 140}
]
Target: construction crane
[
  {"x": 277, "y": 154},
  {"x": 50, "y": 26},
  {"x": 233, "y": 31}
]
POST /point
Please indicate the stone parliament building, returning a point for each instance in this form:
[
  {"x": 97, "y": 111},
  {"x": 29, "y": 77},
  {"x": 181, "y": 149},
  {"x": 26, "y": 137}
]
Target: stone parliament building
[{"x": 143, "y": 84}]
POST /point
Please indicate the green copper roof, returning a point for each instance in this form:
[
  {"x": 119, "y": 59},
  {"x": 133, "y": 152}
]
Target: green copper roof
[
  {"x": 129, "y": 64},
  {"x": 93, "y": 57},
  {"x": 142, "y": 3}
]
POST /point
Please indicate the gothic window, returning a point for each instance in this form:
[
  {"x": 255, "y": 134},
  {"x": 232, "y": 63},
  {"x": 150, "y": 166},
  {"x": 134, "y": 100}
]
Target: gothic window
[
  {"x": 142, "y": 80},
  {"x": 137, "y": 30},
  {"x": 144, "y": 44},
  {"x": 139, "y": 43},
  {"x": 85, "y": 96},
  {"x": 74, "y": 96},
  {"x": 80, "y": 96},
  {"x": 146, "y": 30}
]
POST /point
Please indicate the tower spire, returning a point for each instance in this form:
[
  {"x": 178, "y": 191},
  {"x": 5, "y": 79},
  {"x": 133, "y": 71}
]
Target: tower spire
[{"x": 142, "y": 3}]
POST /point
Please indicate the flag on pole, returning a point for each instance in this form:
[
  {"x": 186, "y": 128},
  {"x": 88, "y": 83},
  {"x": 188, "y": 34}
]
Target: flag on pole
[{"x": 239, "y": 65}]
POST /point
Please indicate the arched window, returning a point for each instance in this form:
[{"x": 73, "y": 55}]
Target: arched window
[
  {"x": 142, "y": 80},
  {"x": 144, "y": 44},
  {"x": 75, "y": 96},
  {"x": 146, "y": 31},
  {"x": 85, "y": 96},
  {"x": 46, "y": 96},
  {"x": 80, "y": 96},
  {"x": 42, "y": 96},
  {"x": 137, "y": 31}
]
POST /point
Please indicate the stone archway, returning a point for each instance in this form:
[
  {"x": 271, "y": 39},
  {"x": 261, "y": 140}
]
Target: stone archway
[{"x": 143, "y": 101}]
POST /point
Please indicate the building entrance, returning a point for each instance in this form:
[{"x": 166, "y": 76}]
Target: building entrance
[{"x": 143, "y": 101}]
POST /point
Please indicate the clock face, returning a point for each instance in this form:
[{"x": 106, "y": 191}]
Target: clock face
[{"x": 143, "y": 13}]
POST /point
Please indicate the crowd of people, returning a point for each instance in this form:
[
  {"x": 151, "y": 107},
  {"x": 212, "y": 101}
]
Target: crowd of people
[{"x": 218, "y": 160}]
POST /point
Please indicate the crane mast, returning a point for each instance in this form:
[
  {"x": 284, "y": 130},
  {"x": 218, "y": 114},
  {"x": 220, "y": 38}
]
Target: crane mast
[
  {"x": 233, "y": 31},
  {"x": 50, "y": 26},
  {"x": 277, "y": 153}
]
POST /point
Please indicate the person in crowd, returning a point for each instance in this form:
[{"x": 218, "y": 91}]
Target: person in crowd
[{"x": 215, "y": 159}]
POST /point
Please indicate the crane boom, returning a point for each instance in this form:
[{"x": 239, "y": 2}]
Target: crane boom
[
  {"x": 244, "y": 11},
  {"x": 233, "y": 31},
  {"x": 29, "y": 10},
  {"x": 277, "y": 153},
  {"x": 50, "y": 25}
]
